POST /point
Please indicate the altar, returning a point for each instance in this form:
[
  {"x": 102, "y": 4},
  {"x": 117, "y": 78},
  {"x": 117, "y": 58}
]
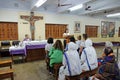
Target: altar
[
  {"x": 32, "y": 50},
  {"x": 35, "y": 50},
  {"x": 17, "y": 50}
]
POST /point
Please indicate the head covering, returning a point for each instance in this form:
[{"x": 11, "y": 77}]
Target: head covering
[
  {"x": 88, "y": 43},
  {"x": 90, "y": 52},
  {"x": 82, "y": 43},
  {"x": 72, "y": 46},
  {"x": 108, "y": 44},
  {"x": 73, "y": 58}
]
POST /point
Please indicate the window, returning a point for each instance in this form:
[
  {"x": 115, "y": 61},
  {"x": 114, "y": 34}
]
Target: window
[
  {"x": 119, "y": 32},
  {"x": 8, "y": 31},
  {"x": 55, "y": 30},
  {"x": 91, "y": 31}
]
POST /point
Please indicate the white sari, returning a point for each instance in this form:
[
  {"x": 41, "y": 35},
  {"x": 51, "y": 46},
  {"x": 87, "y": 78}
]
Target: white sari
[
  {"x": 90, "y": 52},
  {"x": 73, "y": 66}
]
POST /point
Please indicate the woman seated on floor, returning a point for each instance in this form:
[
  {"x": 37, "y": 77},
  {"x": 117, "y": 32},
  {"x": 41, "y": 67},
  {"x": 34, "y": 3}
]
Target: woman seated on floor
[
  {"x": 109, "y": 69},
  {"x": 71, "y": 61},
  {"x": 56, "y": 54}
]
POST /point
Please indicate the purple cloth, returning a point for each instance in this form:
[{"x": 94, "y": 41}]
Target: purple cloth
[
  {"x": 35, "y": 46},
  {"x": 103, "y": 44},
  {"x": 99, "y": 44},
  {"x": 20, "y": 51},
  {"x": 116, "y": 43},
  {"x": 108, "y": 58},
  {"x": 23, "y": 51},
  {"x": 27, "y": 39}
]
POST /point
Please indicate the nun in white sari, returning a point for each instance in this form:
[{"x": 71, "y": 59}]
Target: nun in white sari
[
  {"x": 71, "y": 62},
  {"x": 89, "y": 57}
]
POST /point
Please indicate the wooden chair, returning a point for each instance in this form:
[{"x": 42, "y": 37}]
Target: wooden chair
[
  {"x": 6, "y": 73},
  {"x": 82, "y": 75},
  {"x": 5, "y": 48},
  {"x": 15, "y": 43},
  {"x": 47, "y": 60},
  {"x": 56, "y": 67}
]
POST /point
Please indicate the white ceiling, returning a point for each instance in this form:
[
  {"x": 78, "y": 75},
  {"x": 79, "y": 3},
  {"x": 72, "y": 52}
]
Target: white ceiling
[{"x": 98, "y": 8}]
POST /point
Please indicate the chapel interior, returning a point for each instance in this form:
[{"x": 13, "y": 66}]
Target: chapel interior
[{"x": 41, "y": 19}]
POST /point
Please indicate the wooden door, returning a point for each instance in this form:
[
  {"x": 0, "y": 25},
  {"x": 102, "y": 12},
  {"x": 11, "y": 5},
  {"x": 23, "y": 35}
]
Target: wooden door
[{"x": 91, "y": 30}]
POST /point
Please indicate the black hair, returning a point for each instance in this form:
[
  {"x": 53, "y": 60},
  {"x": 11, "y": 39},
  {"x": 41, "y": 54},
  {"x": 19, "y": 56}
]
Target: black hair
[
  {"x": 85, "y": 36},
  {"x": 108, "y": 50},
  {"x": 79, "y": 37},
  {"x": 32, "y": 12},
  {"x": 50, "y": 40},
  {"x": 72, "y": 39},
  {"x": 65, "y": 30},
  {"x": 26, "y": 35}
]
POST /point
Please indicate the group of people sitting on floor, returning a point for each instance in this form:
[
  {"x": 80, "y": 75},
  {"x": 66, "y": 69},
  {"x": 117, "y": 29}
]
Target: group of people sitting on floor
[{"x": 80, "y": 56}]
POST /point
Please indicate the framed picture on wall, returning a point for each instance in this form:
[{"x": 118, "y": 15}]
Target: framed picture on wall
[
  {"x": 111, "y": 29},
  {"x": 77, "y": 27},
  {"x": 107, "y": 29},
  {"x": 104, "y": 29}
]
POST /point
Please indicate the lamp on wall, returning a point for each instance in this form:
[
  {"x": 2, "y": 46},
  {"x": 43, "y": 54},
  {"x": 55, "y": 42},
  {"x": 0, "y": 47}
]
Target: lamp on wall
[{"x": 40, "y": 2}]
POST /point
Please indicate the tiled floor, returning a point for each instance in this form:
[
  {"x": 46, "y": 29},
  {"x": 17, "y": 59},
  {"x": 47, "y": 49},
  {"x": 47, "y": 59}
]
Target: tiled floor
[
  {"x": 32, "y": 71},
  {"x": 37, "y": 70}
]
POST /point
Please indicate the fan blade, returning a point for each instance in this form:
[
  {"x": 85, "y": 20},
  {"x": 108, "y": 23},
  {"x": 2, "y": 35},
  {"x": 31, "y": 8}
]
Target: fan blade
[
  {"x": 59, "y": 4},
  {"x": 65, "y": 4}
]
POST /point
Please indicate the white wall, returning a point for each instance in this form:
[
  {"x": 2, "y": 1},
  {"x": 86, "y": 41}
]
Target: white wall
[
  {"x": 8, "y": 16},
  {"x": 25, "y": 28},
  {"x": 70, "y": 19},
  {"x": 13, "y": 16}
]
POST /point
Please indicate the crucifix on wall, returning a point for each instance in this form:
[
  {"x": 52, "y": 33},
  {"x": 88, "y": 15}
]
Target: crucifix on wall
[{"x": 32, "y": 20}]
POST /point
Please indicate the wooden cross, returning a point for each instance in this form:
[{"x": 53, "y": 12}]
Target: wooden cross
[{"x": 32, "y": 20}]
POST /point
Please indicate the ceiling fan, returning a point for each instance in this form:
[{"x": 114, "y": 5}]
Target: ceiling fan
[
  {"x": 88, "y": 8},
  {"x": 60, "y": 5}
]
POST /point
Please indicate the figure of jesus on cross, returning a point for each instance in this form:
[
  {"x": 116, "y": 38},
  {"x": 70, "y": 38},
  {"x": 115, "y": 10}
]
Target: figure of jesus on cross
[{"x": 32, "y": 20}]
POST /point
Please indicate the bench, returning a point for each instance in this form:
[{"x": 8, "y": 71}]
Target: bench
[
  {"x": 6, "y": 73},
  {"x": 56, "y": 67},
  {"x": 6, "y": 63},
  {"x": 82, "y": 75}
]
